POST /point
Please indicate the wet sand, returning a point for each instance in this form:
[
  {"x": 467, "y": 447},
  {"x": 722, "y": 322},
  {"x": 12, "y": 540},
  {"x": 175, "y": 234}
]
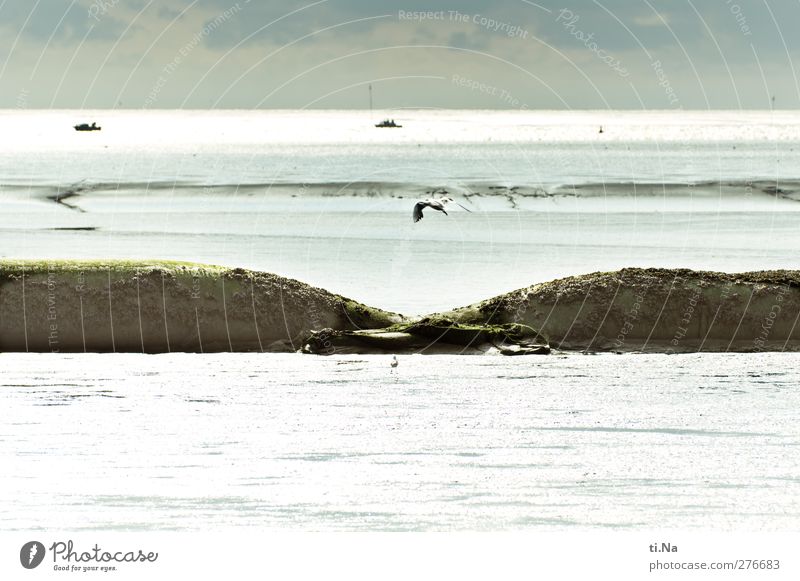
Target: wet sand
[{"x": 163, "y": 306}]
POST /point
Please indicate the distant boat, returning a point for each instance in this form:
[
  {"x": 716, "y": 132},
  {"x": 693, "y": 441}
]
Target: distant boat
[
  {"x": 87, "y": 127},
  {"x": 387, "y": 123}
]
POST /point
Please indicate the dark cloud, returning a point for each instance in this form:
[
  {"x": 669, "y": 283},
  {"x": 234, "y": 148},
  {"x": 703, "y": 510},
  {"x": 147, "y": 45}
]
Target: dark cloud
[
  {"x": 67, "y": 22},
  {"x": 615, "y": 25},
  {"x": 477, "y": 42},
  {"x": 562, "y": 42},
  {"x": 299, "y": 18}
]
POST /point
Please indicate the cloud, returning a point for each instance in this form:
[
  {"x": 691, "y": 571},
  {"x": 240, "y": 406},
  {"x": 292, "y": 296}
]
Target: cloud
[
  {"x": 649, "y": 20},
  {"x": 65, "y": 21},
  {"x": 710, "y": 50}
]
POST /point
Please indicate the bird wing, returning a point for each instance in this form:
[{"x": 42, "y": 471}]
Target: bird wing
[
  {"x": 435, "y": 204},
  {"x": 449, "y": 200},
  {"x": 418, "y": 210}
]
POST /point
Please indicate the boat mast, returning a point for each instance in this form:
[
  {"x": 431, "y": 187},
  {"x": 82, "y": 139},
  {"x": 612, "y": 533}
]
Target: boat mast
[{"x": 370, "y": 101}]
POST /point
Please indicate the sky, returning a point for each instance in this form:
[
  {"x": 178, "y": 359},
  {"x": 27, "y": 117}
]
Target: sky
[{"x": 473, "y": 54}]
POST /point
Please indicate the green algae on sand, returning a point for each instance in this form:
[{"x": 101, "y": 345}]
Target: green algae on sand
[
  {"x": 433, "y": 334},
  {"x": 655, "y": 310},
  {"x": 162, "y": 306}
]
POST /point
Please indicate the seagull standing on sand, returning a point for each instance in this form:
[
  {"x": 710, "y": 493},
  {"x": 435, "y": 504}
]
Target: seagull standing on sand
[
  {"x": 394, "y": 362},
  {"x": 434, "y": 204}
]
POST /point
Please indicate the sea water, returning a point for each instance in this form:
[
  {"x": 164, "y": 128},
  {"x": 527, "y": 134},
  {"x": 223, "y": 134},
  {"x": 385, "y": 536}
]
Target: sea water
[
  {"x": 325, "y": 197},
  {"x": 432, "y": 147},
  {"x": 291, "y": 441},
  {"x": 137, "y": 442}
]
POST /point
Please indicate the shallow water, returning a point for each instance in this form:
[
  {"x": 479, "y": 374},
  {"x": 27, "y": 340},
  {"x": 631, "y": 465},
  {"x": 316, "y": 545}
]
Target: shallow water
[
  {"x": 190, "y": 195},
  {"x": 133, "y": 442},
  {"x": 433, "y": 146},
  {"x": 379, "y": 257},
  {"x": 137, "y": 442}
]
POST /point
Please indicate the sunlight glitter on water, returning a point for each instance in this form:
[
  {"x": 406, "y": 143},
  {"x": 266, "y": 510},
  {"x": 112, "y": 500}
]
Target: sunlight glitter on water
[{"x": 443, "y": 443}]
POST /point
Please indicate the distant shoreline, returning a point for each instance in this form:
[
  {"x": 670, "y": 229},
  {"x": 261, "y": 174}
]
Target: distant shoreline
[{"x": 514, "y": 196}]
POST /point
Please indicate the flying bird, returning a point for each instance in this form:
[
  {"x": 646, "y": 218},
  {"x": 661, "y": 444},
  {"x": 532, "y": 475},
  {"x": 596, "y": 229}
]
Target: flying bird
[{"x": 434, "y": 204}]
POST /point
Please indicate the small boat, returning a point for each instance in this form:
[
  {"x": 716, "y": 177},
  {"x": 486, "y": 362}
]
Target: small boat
[
  {"x": 87, "y": 127},
  {"x": 387, "y": 123}
]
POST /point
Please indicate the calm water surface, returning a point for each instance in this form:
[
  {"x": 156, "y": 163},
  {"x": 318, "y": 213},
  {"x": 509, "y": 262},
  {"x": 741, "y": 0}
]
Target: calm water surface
[{"x": 135, "y": 442}]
